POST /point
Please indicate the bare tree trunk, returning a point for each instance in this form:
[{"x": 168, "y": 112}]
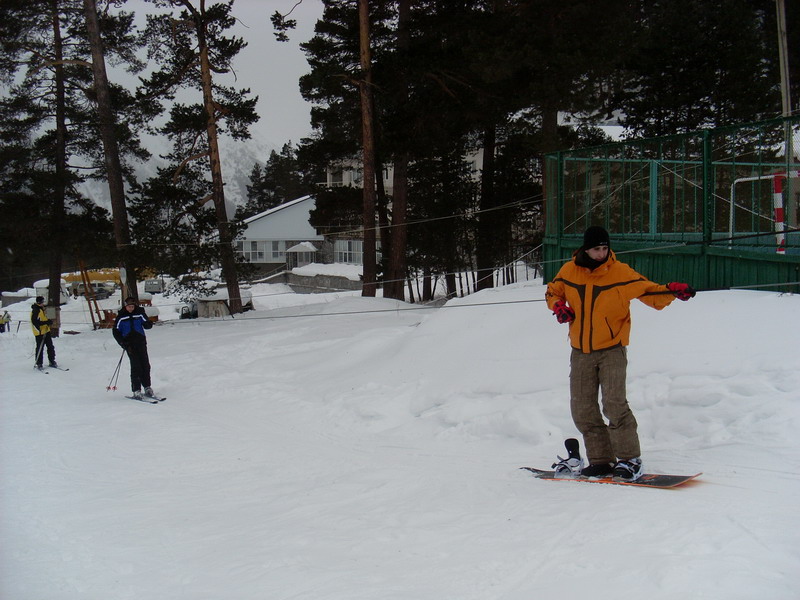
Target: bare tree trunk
[
  {"x": 450, "y": 284},
  {"x": 487, "y": 230},
  {"x": 227, "y": 258},
  {"x": 56, "y": 241},
  {"x": 549, "y": 129},
  {"x": 382, "y": 206},
  {"x": 106, "y": 122},
  {"x": 397, "y": 259},
  {"x": 410, "y": 291},
  {"x": 368, "y": 140}
]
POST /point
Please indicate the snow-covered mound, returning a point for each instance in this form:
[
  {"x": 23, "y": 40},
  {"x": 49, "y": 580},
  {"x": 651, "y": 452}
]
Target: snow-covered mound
[{"x": 334, "y": 447}]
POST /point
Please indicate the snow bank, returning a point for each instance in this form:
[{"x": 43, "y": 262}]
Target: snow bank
[{"x": 336, "y": 447}]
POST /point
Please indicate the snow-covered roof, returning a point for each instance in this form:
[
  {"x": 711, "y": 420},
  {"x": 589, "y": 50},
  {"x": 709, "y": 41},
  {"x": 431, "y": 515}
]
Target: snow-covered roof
[
  {"x": 222, "y": 294},
  {"x": 303, "y": 247},
  {"x": 352, "y": 272},
  {"x": 272, "y": 211},
  {"x": 45, "y": 282}
]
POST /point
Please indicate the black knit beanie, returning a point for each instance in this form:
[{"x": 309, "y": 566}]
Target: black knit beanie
[{"x": 595, "y": 236}]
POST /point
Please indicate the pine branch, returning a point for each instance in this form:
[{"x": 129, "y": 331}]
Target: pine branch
[{"x": 186, "y": 161}]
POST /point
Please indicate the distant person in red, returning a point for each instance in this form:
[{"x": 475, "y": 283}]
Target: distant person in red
[{"x": 128, "y": 330}]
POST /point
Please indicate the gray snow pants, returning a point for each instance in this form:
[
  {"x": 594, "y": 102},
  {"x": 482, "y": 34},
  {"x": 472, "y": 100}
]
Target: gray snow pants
[{"x": 603, "y": 370}]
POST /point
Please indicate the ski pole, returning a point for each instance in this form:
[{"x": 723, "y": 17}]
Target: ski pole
[
  {"x": 112, "y": 385},
  {"x": 39, "y": 349}
]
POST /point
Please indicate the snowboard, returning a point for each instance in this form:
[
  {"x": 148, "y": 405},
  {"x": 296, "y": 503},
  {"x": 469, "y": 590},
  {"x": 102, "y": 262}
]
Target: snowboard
[{"x": 647, "y": 480}]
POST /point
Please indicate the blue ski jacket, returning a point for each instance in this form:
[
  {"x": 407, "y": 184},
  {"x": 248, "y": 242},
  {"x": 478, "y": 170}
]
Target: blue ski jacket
[{"x": 129, "y": 326}]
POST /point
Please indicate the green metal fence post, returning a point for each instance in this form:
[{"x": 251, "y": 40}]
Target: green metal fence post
[
  {"x": 653, "y": 197},
  {"x": 708, "y": 208},
  {"x": 560, "y": 201}
]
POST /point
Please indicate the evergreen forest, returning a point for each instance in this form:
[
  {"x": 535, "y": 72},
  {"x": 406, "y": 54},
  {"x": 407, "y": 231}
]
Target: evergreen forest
[{"x": 417, "y": 88}]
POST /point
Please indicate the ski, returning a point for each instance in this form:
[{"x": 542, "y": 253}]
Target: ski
[
  {"x": 146, "y": 399},
  {"x": 149, "y": 399},
  {"x": 42, "y": 371},
  {"x": 59, "y": 368}
]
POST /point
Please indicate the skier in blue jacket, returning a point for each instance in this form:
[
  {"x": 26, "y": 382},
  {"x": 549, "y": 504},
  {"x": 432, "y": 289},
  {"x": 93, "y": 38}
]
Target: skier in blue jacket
[{"x": 129, "y": 332}]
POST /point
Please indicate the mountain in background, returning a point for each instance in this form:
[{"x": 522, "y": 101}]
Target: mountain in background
[{"x": 238, "y": 158}]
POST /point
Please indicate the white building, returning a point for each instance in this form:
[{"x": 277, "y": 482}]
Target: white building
[{"x": 270, "y": 234}]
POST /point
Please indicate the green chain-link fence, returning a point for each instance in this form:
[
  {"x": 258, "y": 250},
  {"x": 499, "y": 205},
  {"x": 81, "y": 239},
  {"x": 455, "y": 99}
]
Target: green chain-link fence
[{"x": 717, "y": 207}]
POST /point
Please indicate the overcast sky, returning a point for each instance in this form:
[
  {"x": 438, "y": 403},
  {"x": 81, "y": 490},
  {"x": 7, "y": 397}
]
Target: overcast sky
[{"x": 270, "y": 69}]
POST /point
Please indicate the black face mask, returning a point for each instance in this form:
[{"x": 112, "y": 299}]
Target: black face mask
[{"x": 584, "y": 260}]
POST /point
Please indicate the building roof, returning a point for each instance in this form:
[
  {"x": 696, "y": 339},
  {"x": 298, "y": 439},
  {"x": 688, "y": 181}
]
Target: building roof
[
  {"x": 272, "y": 211},
  {"x": 303, "y": 247}
]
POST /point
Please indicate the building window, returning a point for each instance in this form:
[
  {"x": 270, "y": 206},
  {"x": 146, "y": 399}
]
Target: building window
[
  {"x": 279, "y": 249},
  {"x": 349, "y": 251},
  {"x": 251, "y": 250},
  {"x": 299, "y": 259},
  {"x": 264, "y": 251}
]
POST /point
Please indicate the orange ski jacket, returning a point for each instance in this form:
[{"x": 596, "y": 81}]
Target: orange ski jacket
[{"x": 601, "y": 300}]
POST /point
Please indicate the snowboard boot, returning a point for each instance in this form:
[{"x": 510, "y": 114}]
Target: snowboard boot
[
  {"x": 598, "y": 470},
  {"x": 628, "y": 470}
]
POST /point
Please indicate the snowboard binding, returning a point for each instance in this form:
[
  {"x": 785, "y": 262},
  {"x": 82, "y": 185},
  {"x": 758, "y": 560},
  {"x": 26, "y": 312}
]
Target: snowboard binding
[{"x": 570, "y": 467}]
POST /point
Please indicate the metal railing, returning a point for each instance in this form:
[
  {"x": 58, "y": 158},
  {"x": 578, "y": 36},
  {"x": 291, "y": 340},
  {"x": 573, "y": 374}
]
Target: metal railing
[{"x": 733, "y": 188}]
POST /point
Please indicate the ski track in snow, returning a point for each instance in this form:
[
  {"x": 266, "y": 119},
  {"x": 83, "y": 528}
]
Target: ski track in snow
[{"x": 375, "y": 456}]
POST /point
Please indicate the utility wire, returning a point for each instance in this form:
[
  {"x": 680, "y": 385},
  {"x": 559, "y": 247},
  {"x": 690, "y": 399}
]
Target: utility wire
[
  {"x": 559, "y": 260},
  {"x": 470, "y": 305}
]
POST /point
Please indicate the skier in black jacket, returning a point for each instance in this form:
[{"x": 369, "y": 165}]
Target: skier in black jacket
[
  {"x": 41, "y": 333},
  {"x": 129, "y": 332}
]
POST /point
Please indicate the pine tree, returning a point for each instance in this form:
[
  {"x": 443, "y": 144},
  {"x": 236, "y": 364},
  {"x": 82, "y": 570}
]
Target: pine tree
[
  {"x": 345, "y": 86},
  {"x": 49, "y": 114},
  {"x": 368, "y": 156},
  {"x": 174, "y": 232},
  {"x": 281, "y": 179},
  {"x": 36, "y": 39},
  {"x": 194, "y": 52},
  {"x": 444, "y": 179},
  {"x": 701, "y": 63},
  {"x": 107, "y": 125}
]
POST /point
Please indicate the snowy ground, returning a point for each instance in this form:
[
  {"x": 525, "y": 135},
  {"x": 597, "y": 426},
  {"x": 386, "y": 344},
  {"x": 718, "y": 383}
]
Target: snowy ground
[{"x": 307, "y": 453}]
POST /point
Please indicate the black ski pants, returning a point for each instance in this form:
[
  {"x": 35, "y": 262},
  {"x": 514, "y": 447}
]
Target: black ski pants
[
  {"x": 140, "y": 364},
  {"x": 41, "y": 341}
]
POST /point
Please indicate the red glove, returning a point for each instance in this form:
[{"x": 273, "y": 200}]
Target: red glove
[
  {"x": 563, "y": 313},
  {"x": 682, "y": 291}
]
